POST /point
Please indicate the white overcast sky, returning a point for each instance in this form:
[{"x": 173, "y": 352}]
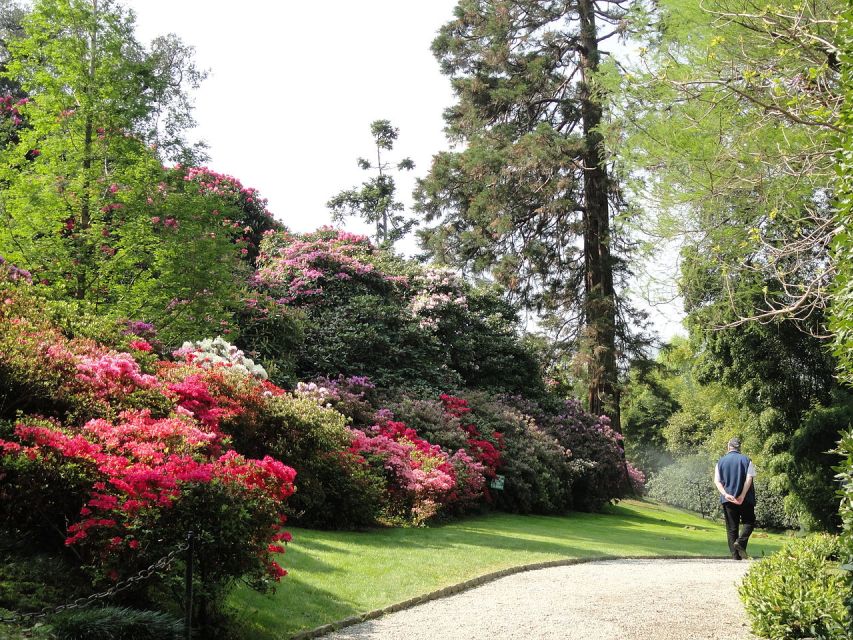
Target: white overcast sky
[{"x": 293, "y": 87}]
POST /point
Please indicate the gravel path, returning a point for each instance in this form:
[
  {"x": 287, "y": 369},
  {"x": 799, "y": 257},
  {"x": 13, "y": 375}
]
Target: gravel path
[{"x": 608, "y": 600}]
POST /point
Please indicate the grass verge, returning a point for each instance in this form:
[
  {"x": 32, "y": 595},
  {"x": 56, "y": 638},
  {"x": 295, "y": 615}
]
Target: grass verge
[{"x": 335, "y": 575}]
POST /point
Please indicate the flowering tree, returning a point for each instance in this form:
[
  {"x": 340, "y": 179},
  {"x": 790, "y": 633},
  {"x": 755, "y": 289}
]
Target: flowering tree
[
  {"x": 368, "y": 312},
  {"x": 89, "y": 207}
]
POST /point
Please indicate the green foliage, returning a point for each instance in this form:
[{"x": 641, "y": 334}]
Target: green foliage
[
  {"x": 32, "y": 580},
  {"x": 754, "y": 205},
  {"x": 773, "y": 386},
  {"x": 759, "y": 195},
  {"x": 115, "y": 623},
  {"x": 814, "y": 484},
  {"x": 430, "y": 420},
  {"x": 845, "y": 480},
  {"x": 229, "y": 530},
  {"x": 375, "y": 201},
  {"x": 336, "y": 490},
  {"x": 87, "y": 205},
  {"x": 799, "y": 592},
  {"x": 361, "y": 333},
  {"x": 646, "y": 406},
  {"x": 687, "y": 483},
  {"x": 842, "y": 293}
]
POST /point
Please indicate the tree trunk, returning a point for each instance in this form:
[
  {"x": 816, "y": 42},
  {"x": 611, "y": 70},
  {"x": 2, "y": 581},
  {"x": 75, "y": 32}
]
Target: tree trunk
[
  {"x": 600, "y": 308},
  {"x": 83, "y": 251}
]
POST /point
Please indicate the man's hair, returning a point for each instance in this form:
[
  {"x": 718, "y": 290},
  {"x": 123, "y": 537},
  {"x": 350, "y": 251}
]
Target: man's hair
[{"x": 734, "y": 443}]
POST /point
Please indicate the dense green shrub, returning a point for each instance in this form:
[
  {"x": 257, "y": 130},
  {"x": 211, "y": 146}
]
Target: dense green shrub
[
  {"x": 845, "y": 479},
  {"x": 31, "y": 580},
  {"x": 799, "y": 592},
  {"x": 811, "y": 461},
  {"x": 689, "y": 483},
  {"x": 335, "y": 490},
  {"x": 115, "y": 623}
]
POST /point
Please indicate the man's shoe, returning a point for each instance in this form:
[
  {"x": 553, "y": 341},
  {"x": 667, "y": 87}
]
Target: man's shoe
[
  {"x": 736, "y": 556},
  {"x": 740, "y": 551}
]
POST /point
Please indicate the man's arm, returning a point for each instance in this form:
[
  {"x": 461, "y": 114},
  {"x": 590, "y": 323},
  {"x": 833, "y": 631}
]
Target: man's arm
[
  {"x": 746, "y": 485},
  {"x": 729, "y": 497}
]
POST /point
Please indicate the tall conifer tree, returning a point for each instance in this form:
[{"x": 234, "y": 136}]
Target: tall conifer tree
[{"x": 529, "y": 198}]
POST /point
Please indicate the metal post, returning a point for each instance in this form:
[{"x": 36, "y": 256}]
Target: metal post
[{"x": 188, "y": 601}]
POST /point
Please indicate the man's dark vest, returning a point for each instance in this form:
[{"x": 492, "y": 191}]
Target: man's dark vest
[{"x": 733, "y": 467}]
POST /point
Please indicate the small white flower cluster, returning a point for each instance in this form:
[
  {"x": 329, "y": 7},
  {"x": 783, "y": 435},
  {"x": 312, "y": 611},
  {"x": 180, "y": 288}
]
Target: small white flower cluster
[
  {"x": 441, "y": 289},
  {"x": 217, "y": 351},
  {"x": 313, "y": 391}
]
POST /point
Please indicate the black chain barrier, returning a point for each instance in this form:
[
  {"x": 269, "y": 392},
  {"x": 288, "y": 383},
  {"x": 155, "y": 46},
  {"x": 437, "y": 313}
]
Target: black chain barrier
[{"x": 162, "y": 564}]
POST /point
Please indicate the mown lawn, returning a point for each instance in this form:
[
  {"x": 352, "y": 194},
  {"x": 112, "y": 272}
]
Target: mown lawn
[{"x": 334, "y": 575}]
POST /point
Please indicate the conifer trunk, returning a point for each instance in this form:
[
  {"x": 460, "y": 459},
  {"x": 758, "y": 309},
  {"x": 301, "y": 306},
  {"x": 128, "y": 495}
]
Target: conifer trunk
[{"x": 600, "y": 311}]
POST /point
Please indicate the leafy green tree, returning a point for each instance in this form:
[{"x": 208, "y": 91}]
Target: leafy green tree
[
  {"x": 734, "y": 113},
  {"x": 11, "y": 17},
  {"x": 647, "y": 405},
  {"x": 86, "y": 204},
  {"x": 375, "y": 201},
  {"x": 734, "y": 120},
  {"x": 529, "y": 198}
]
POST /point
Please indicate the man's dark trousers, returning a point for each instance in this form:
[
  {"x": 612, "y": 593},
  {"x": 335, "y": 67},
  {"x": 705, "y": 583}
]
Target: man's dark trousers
[{"x": 737, "y": 514}]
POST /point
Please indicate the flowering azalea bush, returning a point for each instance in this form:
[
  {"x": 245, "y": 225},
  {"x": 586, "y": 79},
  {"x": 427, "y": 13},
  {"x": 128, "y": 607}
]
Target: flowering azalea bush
[
  {"x": 125, "y": 456},
  {"x": 422, "y": 477},
  {"x": 427, "y": 473}
]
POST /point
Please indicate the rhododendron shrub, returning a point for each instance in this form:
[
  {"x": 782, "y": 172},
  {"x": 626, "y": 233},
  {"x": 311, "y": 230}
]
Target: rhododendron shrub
[
  {"x": 247, "y": 211},
  {"x": 440, "y": 296},
  {"x": 355, "y": 300},
  {"x": 337, "y": 488},
  {"x": 538, "y": 477},
  {"x": 369, "y": 312},
  {"x": 423, "y": 479},
  {"x": 597, "y": 453}
]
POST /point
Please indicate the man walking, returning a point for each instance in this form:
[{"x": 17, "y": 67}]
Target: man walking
[{"x": 733, "y": 476}]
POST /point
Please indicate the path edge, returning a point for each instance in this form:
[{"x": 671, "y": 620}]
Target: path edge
[{"x": 472, "y": 583}]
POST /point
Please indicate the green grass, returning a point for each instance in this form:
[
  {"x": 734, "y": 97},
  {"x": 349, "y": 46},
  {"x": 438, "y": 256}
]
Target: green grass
[{"x": 334, "y": 575}]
